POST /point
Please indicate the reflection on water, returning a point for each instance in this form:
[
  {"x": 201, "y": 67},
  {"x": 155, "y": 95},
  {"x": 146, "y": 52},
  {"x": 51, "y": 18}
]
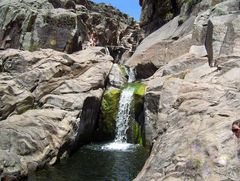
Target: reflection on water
[
  {"x": 116, "y": 146},
  {"x": 98, "y": 163}
]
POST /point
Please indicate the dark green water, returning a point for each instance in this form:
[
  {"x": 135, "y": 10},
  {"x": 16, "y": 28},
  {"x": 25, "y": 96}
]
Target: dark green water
[{"x": 95, "y": 163}]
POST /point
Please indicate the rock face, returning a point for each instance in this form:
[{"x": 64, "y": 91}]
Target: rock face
[
  {"x": 47, "y": 104},
  {"x": 66, "y": 26},
  {"x": 166, "y": 41},
  {"x": 31, "y": 25},
  {"x": 50, "y": 100},
  {"x": 156, "y": 13},
  {"x": 192, "y": 99}
]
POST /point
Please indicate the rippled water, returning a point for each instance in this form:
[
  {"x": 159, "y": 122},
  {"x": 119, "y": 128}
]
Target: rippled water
[{"x": 102, "y": 162}]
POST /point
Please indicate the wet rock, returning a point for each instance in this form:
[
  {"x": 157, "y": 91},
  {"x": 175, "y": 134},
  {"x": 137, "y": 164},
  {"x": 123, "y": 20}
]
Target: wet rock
[
  {"x": 117, "y": 52},
  {"x": 136, "y": 131},
  {"x": 109, "y": 109}
]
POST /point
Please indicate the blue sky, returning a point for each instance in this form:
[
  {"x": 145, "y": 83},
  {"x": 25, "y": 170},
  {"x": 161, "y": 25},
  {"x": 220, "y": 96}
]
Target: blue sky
[{"x": 130, "y": 7}]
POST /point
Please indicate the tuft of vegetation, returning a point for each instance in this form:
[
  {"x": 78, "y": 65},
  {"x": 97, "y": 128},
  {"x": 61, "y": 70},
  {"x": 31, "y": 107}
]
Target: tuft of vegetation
[
  {"x": 123, "y": 70},
  {"x": 193, "y": 168},
  {"x": 168, "y": 16},
  {"x": 34, "y": 47}
]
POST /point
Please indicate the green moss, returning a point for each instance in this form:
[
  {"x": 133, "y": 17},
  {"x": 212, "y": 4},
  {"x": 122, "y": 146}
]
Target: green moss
[
  {"x": 123, "y": 70},
  {"x": 136, "y": 133},
  {"x": 138, "y": 104},
  {"x": 136, "y": 125},
  {"x": 30, "y": 23},
  {"x": 109, "y": 108},
  {"x": 34, "y": 47},
  {"x": 169, "y": 16},
  {"x": 139, "y": 135},
  {"x": 197, "y": 163},
  {"x": 139, "y": 88}
]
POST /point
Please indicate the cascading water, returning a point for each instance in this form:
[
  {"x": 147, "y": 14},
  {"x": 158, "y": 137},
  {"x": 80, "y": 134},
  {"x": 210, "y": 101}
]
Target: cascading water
[
  {"x": 131, "y": 75},
  {"x": 123, "y": 115}
]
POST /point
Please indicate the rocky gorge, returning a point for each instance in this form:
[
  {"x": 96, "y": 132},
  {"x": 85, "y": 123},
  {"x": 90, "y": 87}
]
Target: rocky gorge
[{"x": 63, "y": 66}]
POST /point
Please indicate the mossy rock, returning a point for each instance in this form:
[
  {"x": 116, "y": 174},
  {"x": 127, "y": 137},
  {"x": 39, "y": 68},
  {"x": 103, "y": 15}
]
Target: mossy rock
[
  {"x": 139, "y": 88},
  {"x": 123, "y": 71},
  {"x": 139, "y": 92},
  {"x": 109, "y": 109},
  {"x": 34, "y": 47},
  {"x": 136, "y": 133},
  {"x": 138, "y": 126}
]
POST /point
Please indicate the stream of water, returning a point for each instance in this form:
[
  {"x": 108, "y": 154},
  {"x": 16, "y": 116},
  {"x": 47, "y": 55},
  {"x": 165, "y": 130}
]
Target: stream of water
[{"x": 131, "y": 75}]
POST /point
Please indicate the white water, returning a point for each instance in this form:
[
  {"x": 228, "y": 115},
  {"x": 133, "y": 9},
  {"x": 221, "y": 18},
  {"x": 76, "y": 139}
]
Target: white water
[
  {"x": 119, "y": 146},
  {"x": 123, "y": 115},
  {"x": 131, "y": 75},
  {"x": 122, "y": 119}
]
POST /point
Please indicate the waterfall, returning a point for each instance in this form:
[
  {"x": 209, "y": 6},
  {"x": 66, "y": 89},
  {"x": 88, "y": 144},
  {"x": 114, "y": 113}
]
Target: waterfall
[
  {"x": 124, "y": 108},
  {"x": 123, "y": 115}
]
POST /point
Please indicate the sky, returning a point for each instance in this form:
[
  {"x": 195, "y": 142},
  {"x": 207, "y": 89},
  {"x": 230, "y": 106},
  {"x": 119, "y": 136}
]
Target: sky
[{"x": 130, "y": 7}]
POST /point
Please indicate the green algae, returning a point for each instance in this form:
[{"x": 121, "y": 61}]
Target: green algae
[
  {"x": 109, "y": 110},
  {"x": 123, "y": 71}
]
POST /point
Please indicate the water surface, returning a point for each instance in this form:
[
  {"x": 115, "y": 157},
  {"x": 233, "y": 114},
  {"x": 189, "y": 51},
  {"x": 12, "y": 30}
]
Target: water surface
[{"x": 102, "y": 162}]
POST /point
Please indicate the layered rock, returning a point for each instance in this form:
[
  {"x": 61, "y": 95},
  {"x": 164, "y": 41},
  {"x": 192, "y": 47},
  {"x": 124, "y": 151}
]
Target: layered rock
[
  {"x": 192, "y": 99},
  {"x": 157, "y": 13},
  {"x": 31, "y": 25},
  {"x": 211, "y": 33},
  {"x": 66, "y": 26},
  {"x": 166, "y": 41},
  {"x": 49, "y": 105}
]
